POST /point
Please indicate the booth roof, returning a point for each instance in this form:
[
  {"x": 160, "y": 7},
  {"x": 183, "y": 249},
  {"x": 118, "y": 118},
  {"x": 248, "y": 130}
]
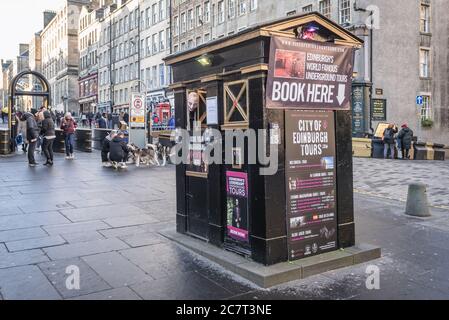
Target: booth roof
[{"x": 199, "y": 50}]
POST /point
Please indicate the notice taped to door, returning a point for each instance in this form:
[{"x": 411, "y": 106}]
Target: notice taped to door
[
  {"x": 309, "y": 75},
  {"x": 311, "y": 183}
]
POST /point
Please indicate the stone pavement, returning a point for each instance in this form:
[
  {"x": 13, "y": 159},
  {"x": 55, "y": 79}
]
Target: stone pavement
[
  {"x": 390, "y": 178},
  {"x": 106, "y": 223}
]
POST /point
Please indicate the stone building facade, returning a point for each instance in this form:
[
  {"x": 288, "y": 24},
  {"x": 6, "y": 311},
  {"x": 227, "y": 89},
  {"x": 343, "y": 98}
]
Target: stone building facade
[
  {"x": 60, "y": 55},
  {"x": 119, "y": 55},
  {"x": 154, "y": 47},
  {"x": 408, "y": 57}
]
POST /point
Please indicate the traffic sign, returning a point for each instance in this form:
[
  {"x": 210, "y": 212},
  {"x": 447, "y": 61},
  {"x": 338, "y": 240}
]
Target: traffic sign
[{"x": 419, "y": 100}]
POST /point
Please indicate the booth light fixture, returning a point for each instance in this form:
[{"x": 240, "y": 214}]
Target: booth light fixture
[{"x": 205, "y": 60}]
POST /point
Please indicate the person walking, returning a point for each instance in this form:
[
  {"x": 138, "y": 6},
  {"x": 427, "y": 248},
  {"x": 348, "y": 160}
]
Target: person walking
[
  {"x": 22, "y": 131},
  {"x": 32, "y": 134},
  {"x": 389, "y": 141},
  {"x": 49, "y": 134},
  {"x": 405, "y": 136},
  {"x": 69, "y": 126}
]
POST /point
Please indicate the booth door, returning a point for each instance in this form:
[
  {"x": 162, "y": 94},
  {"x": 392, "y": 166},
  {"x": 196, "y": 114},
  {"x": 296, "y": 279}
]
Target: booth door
[
  {"x": 197, "y": 172},
  {"x": 198, "y": 216}
]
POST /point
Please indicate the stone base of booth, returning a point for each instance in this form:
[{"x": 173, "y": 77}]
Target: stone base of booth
[{"x": 266, "y": 277}]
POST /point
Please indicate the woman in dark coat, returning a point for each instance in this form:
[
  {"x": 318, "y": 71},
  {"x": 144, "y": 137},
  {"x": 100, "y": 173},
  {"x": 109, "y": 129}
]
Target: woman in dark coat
[
  {"x": 406, "y": 137},
  {"x": 32, "y": 131},
  {"x": 49, "y": 134}
]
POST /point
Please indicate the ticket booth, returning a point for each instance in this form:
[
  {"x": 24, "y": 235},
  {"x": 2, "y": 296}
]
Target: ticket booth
[{"x": 287, "y": 86}]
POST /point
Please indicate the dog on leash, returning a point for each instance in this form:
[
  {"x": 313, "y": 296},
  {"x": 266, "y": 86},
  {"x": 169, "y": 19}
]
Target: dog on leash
[{"x": 147, "y": 156}]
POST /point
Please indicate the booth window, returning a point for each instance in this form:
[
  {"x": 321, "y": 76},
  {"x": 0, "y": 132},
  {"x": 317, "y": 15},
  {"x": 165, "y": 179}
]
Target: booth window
[
  {"x": 199, "y": 115},
  {"x": 236, "y": 103}
]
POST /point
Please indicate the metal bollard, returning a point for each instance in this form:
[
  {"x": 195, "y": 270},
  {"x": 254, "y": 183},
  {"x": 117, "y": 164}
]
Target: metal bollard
[{"x": 417, "y": 202}]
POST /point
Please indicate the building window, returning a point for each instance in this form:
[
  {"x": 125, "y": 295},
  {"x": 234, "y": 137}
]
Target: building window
[
  {"x": 190, "y": 44},
  {"x": 426, "y": 109},
  {"x": 162, "y": 40},
  {"x": 154, "y": 76},
  {"x": 207, "y": 37},
  {"x": 252, "y": 5},
  {"x": 161, "y": 10},
  {"x": 231, "y": 9},
  {"x": 148, "y": 46},
  {"x": 325, "y": 8},
  {"x": 198, "y": 41},
  {"x": 424, "y": 62},
  {"x": 176, "y": 26},
  {"x": 207, "y": 12},
  {"x": 242, "y": 7},
  {"x": 221, "y": 12},
  {"x": 148, "y": 18},
  {"x": 308, "y": 8},
  {"x": 183, "y": 22},
  {"x": 154, "y": 41},
  {"x": 155, "y": 13},
  {"x": 199, "y": 16},
  {"x": 345, "y": 11},
  {"x": 161, "y": 74},
  {"x": 191, "y": 19},
  {"x": 425, "y": 18}
]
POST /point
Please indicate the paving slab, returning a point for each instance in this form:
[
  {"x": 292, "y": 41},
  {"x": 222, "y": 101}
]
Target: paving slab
[
  {"x": 22, "y": 234},
  {"x": 129, "y": 221},
  {"x": 76, "y": 227},
  {"x": 31, "y": 220},
  {"x": 26, "y": 283},
  {"x": 118, "y": 294},
  {"x": 101, "y": 213},
  {"x": 37, "y": 243},
  {"x": 116, "y": 269},
  {"x": 29, "y": 257},
  {"x": 186, "y": 286},
  {"x": 58, "y": 273},
  {"x": 84, "y": 249},
  {"x": 122, "y": 232},
  {"x": 87, "y": 236}
]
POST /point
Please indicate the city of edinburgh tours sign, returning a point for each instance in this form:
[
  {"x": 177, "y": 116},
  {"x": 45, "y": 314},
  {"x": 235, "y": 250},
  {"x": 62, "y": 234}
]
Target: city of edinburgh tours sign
[{"x": 309, "y": 75}]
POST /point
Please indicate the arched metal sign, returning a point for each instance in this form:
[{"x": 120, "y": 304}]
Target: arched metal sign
[{"x": 14, "y": 92}]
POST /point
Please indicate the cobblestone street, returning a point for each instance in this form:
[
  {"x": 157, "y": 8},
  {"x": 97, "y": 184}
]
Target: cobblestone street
[
  {"x": 390, "y": 178},
  {"x": 107, "y": 224}
]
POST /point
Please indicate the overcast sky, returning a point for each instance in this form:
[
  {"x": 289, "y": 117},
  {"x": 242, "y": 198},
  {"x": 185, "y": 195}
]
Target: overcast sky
[{"x": 19, "y": 20}]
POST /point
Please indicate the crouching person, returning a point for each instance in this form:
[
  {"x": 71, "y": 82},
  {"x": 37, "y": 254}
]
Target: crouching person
[
  {"x": 118, "y": 150},
  {"x": 106, "y": 147}
]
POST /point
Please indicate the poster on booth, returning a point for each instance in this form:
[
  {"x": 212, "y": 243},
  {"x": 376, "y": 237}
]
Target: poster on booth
[
  {"x": 237, "y": 205},
  {"x": 309, "y": 75},
  {"x": 137, "y": 112},
  {"x": 311, "y": 183}
]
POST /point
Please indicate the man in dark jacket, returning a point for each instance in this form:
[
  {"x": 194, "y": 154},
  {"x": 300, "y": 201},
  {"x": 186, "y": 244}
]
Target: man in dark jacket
[
  {"x": 32, "y": 136},
  {"x": 118, "y": 150},
  {"x": 49, "y": 134},
  {"x": 106, "y": 148},
  {"x": 101, "y": 121},
  {"x": 405, "y": 136}
]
